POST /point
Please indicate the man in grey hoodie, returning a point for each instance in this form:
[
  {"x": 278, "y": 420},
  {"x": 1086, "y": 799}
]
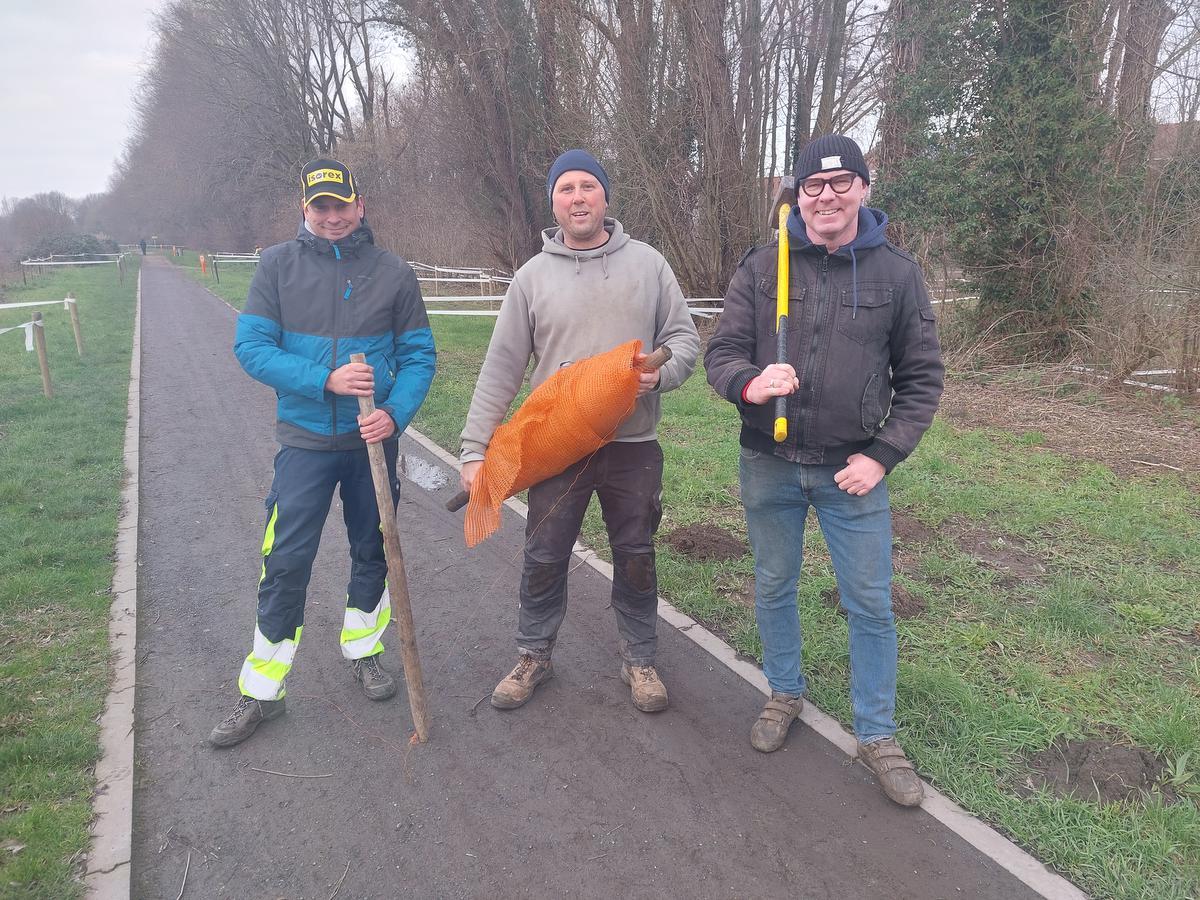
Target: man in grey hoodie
[
  {"x": 591, "y": 288},
  {"x": 862, "y": 376}
]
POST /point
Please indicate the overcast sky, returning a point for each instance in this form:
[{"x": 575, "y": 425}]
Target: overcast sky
[{"x": 68, "y": 74}]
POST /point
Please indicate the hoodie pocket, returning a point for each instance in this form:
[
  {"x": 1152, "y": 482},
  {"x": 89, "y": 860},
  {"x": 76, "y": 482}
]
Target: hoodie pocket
[{"x": 867, "y": 318}]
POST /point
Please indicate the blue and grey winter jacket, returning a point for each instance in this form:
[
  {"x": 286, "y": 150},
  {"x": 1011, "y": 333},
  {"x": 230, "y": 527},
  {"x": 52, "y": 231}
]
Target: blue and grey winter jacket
[{"x": 311, "y": 304}]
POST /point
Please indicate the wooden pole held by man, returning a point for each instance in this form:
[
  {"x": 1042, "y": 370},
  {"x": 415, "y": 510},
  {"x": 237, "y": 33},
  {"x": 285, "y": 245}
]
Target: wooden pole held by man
[{"x": 397, "y": 578}]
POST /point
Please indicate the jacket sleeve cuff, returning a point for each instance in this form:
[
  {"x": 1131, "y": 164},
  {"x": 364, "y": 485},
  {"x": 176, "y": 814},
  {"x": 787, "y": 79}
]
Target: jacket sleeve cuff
[
  {"x": 884, "y": 454},
  {"x": 736, "y": 393},
  {"x": 467, "y": 455}
]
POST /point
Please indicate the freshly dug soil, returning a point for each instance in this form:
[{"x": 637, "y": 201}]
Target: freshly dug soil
[
  {"x": 1096, "y": 770},
  {"x": 706, "y": 543}
]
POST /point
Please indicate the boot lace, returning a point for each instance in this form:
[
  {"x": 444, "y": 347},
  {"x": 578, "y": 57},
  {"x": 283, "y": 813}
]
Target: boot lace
[{"x": 239, "y": 711}]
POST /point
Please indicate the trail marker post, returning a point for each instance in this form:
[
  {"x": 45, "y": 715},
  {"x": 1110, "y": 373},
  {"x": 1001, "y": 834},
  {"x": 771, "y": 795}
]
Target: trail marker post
[{"x": 39, "y": 342}]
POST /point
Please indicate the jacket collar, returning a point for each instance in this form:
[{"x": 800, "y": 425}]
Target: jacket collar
[{"x": 352, "y": 243}]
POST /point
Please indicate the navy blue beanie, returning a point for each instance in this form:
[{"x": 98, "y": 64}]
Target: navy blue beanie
[{"x": 576, "y": 160}]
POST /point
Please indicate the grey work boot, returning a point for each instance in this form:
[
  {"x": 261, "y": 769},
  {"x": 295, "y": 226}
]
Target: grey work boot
[
  {"x": 770, "y": 729},
  {"x": 246, "y": 716},
  {"x": 649, "y": 693},
  {"x": 376, "y": 683},
  {"x": 518, "y": 685},
  {"x": 895, "y": 773}
]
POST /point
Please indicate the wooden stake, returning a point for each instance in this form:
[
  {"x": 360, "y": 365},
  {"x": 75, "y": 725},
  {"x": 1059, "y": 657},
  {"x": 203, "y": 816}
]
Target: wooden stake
[
  {"x": 72, "y": 306},
  {"x": 397, "y": 579},
  {"x": 39, "y": 341}
]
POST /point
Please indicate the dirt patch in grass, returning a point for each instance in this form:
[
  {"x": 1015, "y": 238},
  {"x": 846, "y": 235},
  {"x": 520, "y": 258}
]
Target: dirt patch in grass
[
  {"x": 706, "y": 543},
  {"x": 1097, "y": 771},
  {"x": 1002, "y": 552},
  {"x": 1130, "y": 435},
  {"x": 908, "y": 531},
  {"x": 905, "y": 604}
]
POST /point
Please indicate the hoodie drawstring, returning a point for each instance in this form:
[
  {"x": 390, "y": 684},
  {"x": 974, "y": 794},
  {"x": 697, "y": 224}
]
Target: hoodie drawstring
[
  {"x": 604, "y": 264},
  {"x": 576, "y": 264}
]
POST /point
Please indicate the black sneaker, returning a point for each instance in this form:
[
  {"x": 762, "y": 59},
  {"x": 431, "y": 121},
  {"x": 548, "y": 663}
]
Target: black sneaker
[
  {"x": 376, "y": 683},
  {"x": 247, "y": 716}
]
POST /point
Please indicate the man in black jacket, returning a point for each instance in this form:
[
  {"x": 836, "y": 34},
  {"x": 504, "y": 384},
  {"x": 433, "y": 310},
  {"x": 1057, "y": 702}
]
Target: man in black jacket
[{"x": 862, "y": 378}]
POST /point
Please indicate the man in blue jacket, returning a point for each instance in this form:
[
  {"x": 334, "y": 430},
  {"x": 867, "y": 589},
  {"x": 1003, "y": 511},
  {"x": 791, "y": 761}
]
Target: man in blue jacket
[
  {"x": 861, "y": 377},
  {"x": 315, "y": 300}
]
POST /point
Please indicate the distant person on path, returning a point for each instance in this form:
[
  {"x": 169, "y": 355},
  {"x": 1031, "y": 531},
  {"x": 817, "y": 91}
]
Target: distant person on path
[
  {"x": 142, "y": 244},
  {"x": 863, "y": 375},
  {"x": 591, "y": 288},
  {"x": 315, "y": 300}
]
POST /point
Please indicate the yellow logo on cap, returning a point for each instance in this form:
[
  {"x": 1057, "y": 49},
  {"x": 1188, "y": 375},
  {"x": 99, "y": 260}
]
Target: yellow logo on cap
[{"x": 325, "y": 175}]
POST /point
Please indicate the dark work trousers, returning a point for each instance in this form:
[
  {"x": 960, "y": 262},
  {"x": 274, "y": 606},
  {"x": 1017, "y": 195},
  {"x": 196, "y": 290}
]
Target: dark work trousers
[
  {"x": 627, "y": 477},
  {"x": 296, "y": 510}
]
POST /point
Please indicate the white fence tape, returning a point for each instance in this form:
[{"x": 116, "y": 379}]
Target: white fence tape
[
  {"x": 28, "y": 326},
  {"x": 66, "y": 302}
]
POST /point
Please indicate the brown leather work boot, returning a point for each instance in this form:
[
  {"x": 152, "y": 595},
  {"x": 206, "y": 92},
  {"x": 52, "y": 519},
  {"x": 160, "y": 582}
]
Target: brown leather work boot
[
  {"x": 770, "y": 729},
  {"x": 649, "y": 693},
  {"x": 517, "y": 687},
  {"x": 895, "y": 773}
]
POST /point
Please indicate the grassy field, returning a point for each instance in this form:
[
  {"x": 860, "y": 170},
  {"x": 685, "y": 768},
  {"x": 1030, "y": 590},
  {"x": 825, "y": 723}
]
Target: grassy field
[
  {"x": 60, "y": 475},
  {"x": 1055, "y": 601}
]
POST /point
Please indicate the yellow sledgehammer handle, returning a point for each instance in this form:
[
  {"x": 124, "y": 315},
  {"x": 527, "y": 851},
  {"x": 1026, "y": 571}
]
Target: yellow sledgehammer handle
[{"x": 781, "y": 318}]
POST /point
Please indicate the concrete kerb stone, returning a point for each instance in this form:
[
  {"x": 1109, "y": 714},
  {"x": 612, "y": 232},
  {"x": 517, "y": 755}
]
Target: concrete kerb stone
[
  {"x": 976, "y": 833},
  {"x": 108, "y": 866}
]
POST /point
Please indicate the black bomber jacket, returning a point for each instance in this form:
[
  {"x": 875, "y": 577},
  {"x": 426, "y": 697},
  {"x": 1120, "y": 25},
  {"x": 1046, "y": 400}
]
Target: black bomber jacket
[{"x": 861, "y": 337}]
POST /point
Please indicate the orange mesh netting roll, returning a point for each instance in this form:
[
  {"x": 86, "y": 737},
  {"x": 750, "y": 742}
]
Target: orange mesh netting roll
[{"x": 574, "y": 412}]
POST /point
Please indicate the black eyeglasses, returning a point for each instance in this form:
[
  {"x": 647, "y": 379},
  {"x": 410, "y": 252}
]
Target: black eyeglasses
[{"x": 813, "y": 187}]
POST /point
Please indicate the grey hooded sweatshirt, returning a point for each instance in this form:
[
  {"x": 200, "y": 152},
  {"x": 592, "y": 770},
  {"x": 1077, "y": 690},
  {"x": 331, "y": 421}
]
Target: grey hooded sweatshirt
[{"x": 566, "y": 304}]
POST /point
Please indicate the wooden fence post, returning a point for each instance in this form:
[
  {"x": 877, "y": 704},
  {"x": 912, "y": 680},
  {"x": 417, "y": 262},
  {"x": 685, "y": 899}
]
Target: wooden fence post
[
  {"x": 72, "y": 306},
  {"x": 39, "y": 341}
]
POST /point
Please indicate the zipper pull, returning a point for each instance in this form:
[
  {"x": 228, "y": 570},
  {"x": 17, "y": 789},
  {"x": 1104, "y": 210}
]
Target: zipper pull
[{"x": 349, "y": 288}]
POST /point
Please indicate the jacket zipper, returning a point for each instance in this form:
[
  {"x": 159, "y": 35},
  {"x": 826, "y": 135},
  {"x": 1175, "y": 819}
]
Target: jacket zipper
[
  {"x": 810, "y": 364},
  {"x": 333, "y": 432}
]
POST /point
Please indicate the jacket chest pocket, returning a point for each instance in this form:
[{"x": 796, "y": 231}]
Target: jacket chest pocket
[
  {"x": 768, "y": 311},
  {"x": 867, "y": 317}
]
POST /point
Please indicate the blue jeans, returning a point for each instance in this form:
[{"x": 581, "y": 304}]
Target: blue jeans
[{"x": 858, "y": 530}]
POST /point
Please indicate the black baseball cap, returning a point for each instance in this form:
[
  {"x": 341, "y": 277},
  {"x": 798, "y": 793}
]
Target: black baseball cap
[{"x": 327, "y": 178}]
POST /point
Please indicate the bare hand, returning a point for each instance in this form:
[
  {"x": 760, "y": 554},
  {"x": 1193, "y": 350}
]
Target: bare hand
[
  {"x": 647, "y": 381},
  {"x": 860, "y": 475},
  {"x": 776, "y": 380},
  {"x": 466, "y": 476},
  {"x": 352, "y": 380},
  {"x": 376, "y": 427}
]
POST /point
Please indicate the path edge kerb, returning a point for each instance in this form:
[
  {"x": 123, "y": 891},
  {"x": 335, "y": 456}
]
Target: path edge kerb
[
  {"x": 974, "y": 831},
  {"x": 107, "y": 876}
]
